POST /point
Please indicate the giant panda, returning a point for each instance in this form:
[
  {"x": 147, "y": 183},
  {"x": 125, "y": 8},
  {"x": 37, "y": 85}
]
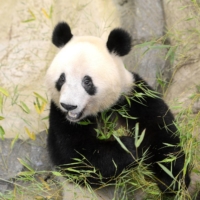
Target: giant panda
[{"x": 86, "y": 78}]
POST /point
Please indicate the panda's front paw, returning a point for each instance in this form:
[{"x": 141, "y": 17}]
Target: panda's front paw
[{"x": 129, "y": 146}]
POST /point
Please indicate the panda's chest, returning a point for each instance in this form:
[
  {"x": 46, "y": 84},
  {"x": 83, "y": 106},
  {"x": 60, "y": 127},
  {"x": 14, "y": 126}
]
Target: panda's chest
[{"x": 110, "y": 124}]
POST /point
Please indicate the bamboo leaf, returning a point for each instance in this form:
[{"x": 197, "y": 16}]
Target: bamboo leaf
[
  {"x": 43, "y": 106},
  {"x": 14, "y": 141},
  {"x": 190, "y": 18},
  {"x": 28, "y": 20},
  {"x": 1, "y": 102},
  {"x": 56, "y": 173},
  {"x": 44, "y": 183},
  {"x": 171, "y": 54},
  {"x": 168, "y": 160},
  {"x": 45, "y": 118},
  {"x": 2, "y": 133},
  {"x": 160, "y": 46},
  {"x": 25, "y": 164},
  {"x": 32, "y": 14},
  {"x": 128, "y": 100},
  {"x": 86, "y": 122},
  {"x": 40, "y": 97},
  {"x": 45, "y": 13},
  {"x": 73, "y": 170},
  {"x": 36, "y": 108},
  {"x": 171, "y": 51},
  {"x": 24, "y": 107},
  {"x": 38, "y": 103},
  {"x": 139, "y": 141},
  {"x": 169, "y": 145},
  {"x": 51, "y": 12},
  {"x": 127, "y": 116},
  {"x": 4, "y": 91},
  {"x": 166, "y": 170},
  {"x": 183, "y": 7},
  {"x": 146, "y": 44},
  {"x": 31, "y": 135},
  {"x": 114, "y": 164},
  {"x": 26, "y": 173},
  {"x": 1, "y": 118},
  {"x": 121, "y": 144},
  {"x": 136, "y": 132}
]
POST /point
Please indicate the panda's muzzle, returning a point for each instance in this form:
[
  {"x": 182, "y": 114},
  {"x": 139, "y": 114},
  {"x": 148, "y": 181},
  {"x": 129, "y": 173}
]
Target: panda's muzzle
[{"x": 72, "y": 116}]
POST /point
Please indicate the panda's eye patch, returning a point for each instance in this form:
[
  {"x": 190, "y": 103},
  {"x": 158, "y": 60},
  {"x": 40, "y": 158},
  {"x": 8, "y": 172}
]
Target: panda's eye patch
[
  {"x": 87, "y": 80},
  {"x": 60, "y": 81},
  {"x": 88, "y": 85}
]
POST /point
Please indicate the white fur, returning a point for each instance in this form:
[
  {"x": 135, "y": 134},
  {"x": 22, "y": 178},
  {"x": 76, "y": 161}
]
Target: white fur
[{"x": 88, "y": 55}]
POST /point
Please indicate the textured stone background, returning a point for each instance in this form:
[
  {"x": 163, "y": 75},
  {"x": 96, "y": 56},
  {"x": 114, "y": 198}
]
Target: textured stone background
[{"x": 26, "y": 52}]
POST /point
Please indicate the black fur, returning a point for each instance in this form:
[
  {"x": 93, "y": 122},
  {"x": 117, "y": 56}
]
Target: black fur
[
  {"x": 61, "y": 34},
  {"x": 68, "y": 140},
  {"x": 60, "y": 82},
  {"x": 119, "y": 42},
  {"x": 88, "y": 85}
]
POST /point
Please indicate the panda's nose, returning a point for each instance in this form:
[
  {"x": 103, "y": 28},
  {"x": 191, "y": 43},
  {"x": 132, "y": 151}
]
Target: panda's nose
[{"x": 68, "y": 106}]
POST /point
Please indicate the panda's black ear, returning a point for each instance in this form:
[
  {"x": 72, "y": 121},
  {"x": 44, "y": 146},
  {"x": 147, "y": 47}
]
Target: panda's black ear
[
  {"x": 61, "y": 34},
  {"x": 119, "y": 42}
]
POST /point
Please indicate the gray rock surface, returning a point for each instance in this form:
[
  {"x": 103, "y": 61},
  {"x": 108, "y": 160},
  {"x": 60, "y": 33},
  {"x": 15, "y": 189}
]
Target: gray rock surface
[
  {"x": 144, "y": 20},
  {"x": 150, "y": 63},
  {"x": 182, "y": 20},
  {"x": 34, "y": 153}
]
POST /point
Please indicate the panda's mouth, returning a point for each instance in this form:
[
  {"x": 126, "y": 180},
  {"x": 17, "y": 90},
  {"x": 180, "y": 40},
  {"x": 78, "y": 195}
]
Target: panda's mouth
[{"x": 74, "y": 116}]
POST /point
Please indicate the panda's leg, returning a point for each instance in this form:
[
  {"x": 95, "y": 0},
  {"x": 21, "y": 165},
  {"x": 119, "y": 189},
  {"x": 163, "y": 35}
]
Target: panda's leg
[{"x": 169, "y": 175}]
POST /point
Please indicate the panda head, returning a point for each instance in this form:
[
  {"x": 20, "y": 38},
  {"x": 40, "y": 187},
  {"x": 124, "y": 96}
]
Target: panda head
[{"x": 87, "y": 75}]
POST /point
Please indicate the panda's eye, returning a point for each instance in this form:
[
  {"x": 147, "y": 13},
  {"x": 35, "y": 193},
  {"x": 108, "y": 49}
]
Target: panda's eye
[
  {"x": 87, "y": 81},
  {"x": 88, "y": 85}
]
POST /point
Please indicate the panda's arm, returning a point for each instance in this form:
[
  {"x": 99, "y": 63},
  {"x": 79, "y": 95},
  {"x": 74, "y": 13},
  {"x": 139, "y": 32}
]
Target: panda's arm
[
  {"x": 67, "y": 141},
  {"x": 109, "y": 157}
]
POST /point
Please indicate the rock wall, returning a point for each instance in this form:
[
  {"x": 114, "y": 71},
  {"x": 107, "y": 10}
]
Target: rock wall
[
  {"x": 26, "y": 52},
  {"x": 182, "y": 22},
  {"x": 182, "y": 28},
  {"x": 144, "y": 19}
]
